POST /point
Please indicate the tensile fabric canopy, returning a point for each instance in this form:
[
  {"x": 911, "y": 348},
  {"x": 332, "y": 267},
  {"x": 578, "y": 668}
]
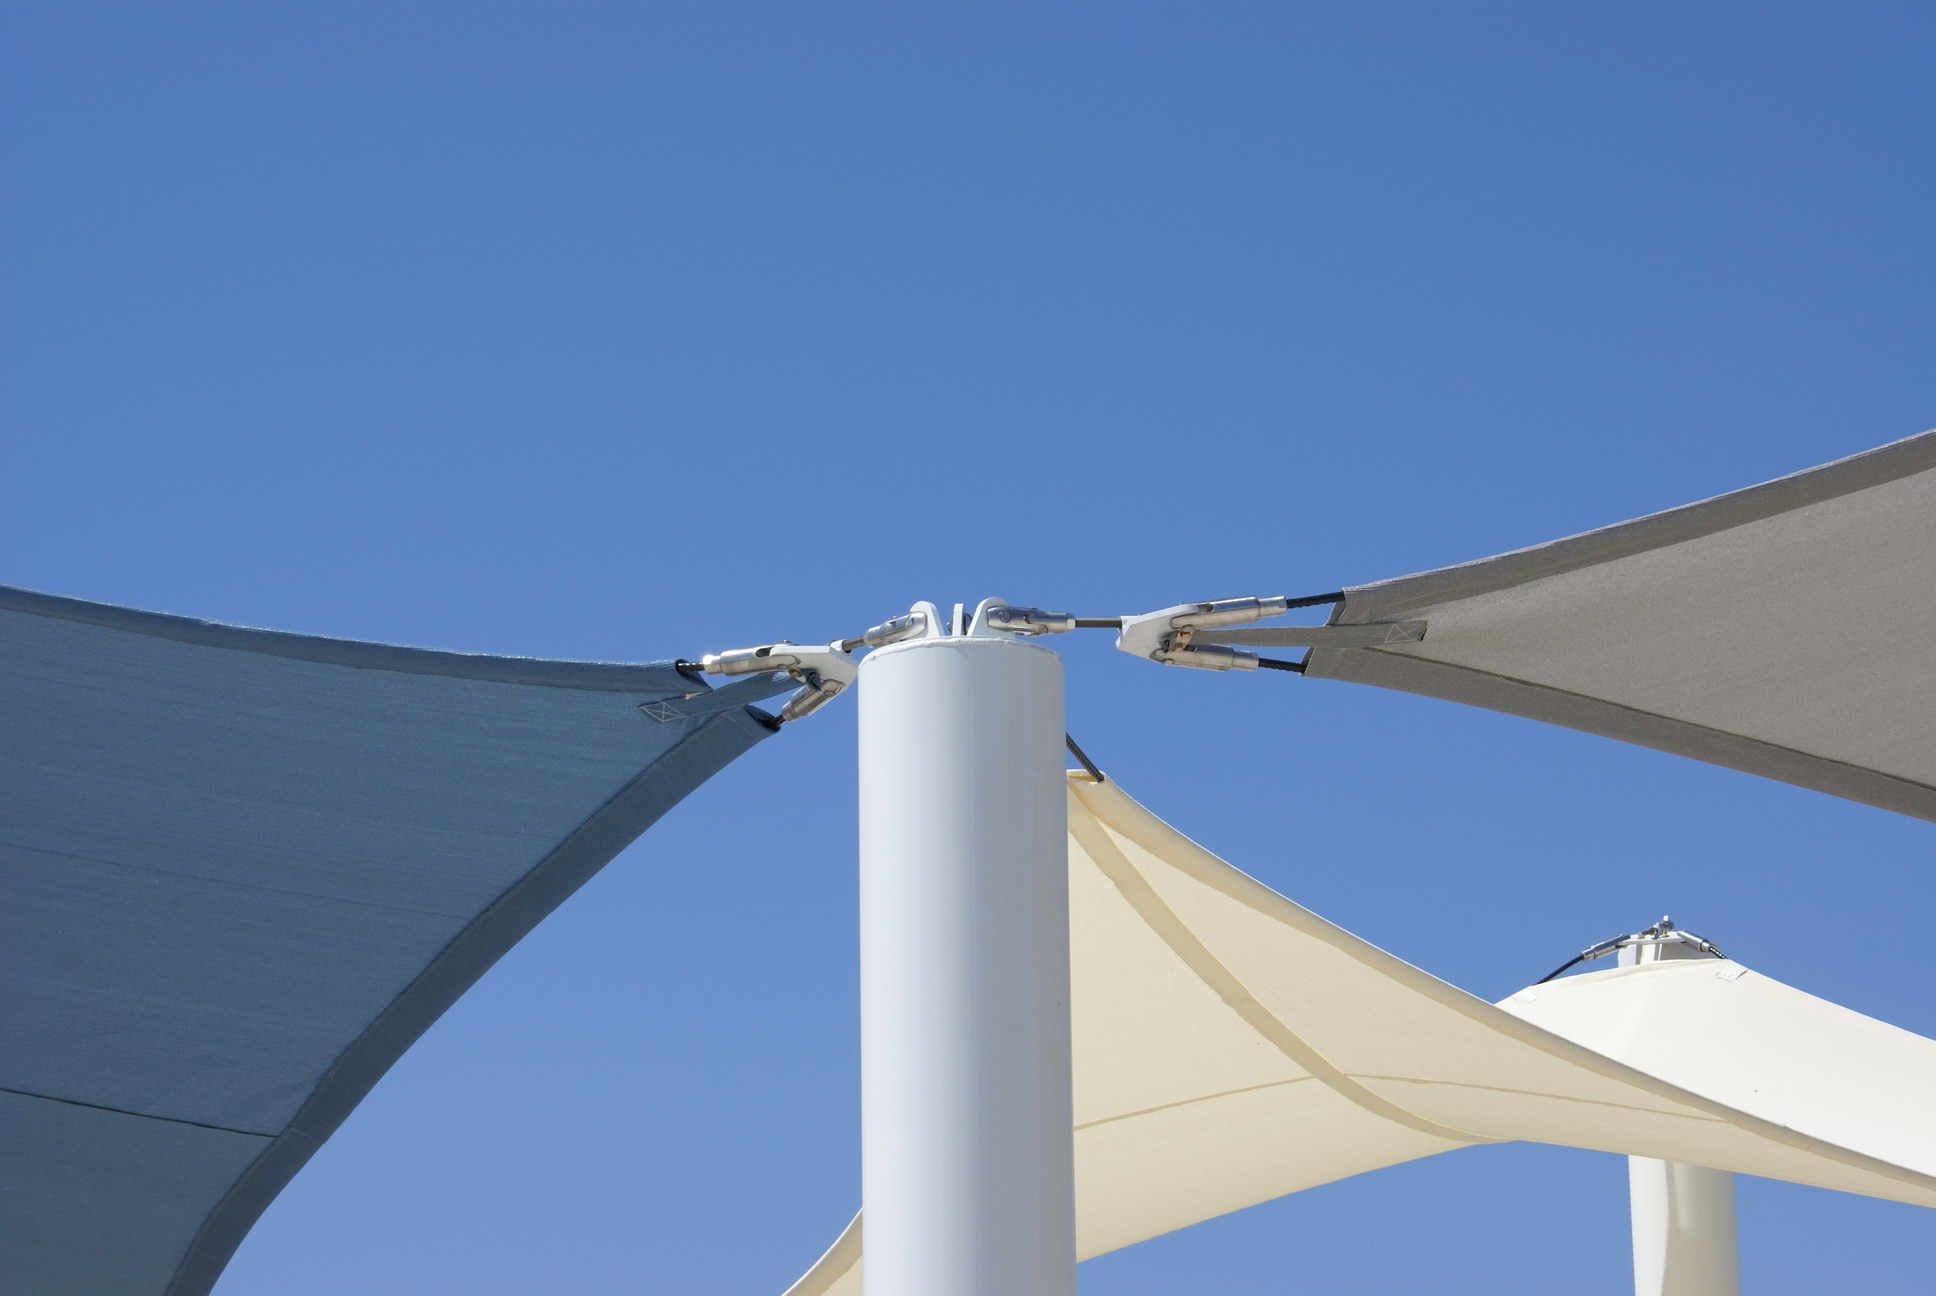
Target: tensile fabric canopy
[
  {"x": 1782, "y": 630},
  {"x": 1231, "y": 1046},
  {"x": 1734, "y": 1035},
  {"x": 241, "y": 871}
]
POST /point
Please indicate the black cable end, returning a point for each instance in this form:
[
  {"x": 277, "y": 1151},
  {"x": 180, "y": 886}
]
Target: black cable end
[{"x": 1083, "y": 760}]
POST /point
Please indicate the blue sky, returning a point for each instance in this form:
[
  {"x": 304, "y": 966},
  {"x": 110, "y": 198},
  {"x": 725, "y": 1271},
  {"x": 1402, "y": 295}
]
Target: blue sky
[{"x": 634, "y": 331}]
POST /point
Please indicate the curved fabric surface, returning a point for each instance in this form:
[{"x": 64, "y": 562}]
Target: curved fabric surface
[
  {"x": 1231, "y": 1047},
  {"x": 1782, "y": 630},
  {"x": 241, "y": 871},
  {"x": 1745, "y": 1039}
]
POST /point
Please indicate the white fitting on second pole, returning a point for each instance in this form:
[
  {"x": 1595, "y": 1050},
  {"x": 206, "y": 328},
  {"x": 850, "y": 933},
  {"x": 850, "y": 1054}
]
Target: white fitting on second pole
[
  {"x": 967, "y": 1140},
  {"x": 1684, "y": 1241}
]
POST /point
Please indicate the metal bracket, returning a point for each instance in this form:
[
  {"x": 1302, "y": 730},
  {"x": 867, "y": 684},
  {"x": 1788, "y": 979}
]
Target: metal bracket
[
  {"x": 1025, "y": 620},
  {"x": 826, "y": 670},
  {"x": 1200, "y": 634},
  {"x": 992, "y": 616},
  {"x": 1663, "y": 932},
  {"x": 996, "y": 617},
  {"x": 917, "y": 621},
  {"x": 1165, "y": 636}
]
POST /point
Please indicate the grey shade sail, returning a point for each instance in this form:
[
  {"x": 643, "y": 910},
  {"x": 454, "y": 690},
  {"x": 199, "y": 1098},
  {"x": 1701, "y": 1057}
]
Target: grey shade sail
[
  {"x": 1784, "y": 630},
  {"x": 242, "y": 871}
]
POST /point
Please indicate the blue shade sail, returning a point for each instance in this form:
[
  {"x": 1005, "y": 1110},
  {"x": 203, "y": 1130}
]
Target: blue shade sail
[{"x": 242, "y": 871}]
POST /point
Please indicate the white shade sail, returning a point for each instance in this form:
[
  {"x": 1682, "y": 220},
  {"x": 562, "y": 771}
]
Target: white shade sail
[
  {"x": 1231, "y": 1047},
  {"x": 1783, "y": 630},
  {"x": 1722, "y": 1030}
]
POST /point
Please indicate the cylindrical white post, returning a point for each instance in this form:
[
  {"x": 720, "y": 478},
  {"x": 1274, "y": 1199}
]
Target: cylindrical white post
[
  {"x": 1683, "y": 1215},
  {"x": 1683, "y": 1229},
  {"x": 966, "y": 1145}
]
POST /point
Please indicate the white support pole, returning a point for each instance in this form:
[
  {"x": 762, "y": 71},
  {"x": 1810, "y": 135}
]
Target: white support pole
[
  {"x": 1683, "y": 1229},
  {"x": 966, "y": 1145},
  {"x": 1683, "y": 1215}
]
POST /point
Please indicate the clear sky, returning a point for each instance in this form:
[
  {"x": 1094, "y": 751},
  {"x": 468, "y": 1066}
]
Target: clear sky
[{"x": 628, "y": 331}]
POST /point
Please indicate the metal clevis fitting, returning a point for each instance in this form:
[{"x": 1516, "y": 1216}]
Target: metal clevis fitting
[
  {"x": 826, "y": 670},
  {"x": 1663, "y": 932},
  {"x": 1165, "y": 636},
  {"x": 906, "y": 626},
  {"x": 1029, "y": 621}
]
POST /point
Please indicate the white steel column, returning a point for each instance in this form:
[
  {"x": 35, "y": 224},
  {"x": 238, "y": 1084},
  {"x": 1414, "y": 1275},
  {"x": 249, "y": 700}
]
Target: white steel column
[
  {"x": 1683, "y": 1215},
  {"x": 1683, "y": 1229},
  {"x": 966, "y": 1146}
]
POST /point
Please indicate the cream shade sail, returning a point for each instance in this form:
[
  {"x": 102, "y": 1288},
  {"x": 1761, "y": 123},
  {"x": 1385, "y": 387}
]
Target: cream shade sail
[
  {"x": 1782, "y": 630},
  {"x": 1232, "y": 1046}
]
